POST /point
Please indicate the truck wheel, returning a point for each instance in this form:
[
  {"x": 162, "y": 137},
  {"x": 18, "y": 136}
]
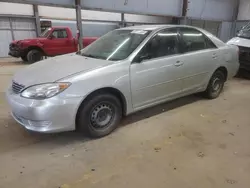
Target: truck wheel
[
  {"x": 34, "y": 56},
  {"x": 99, "y": 115},
  {"x": 24, "y": 58}
]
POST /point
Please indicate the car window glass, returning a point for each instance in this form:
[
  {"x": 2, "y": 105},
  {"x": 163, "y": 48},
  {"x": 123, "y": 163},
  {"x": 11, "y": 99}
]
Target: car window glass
[
  {"x": 210, "y": 44},
  {"x": 60, "y": 34},
  {"x": 164, "y": 43},
  {"x": 116, "y": 45},
  {"x": 193, "y": 40}
]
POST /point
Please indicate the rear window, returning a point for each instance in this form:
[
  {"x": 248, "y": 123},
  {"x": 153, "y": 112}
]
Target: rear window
[{"x": 194, "y": 40}]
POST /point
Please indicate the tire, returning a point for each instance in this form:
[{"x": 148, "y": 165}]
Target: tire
[
  {"x": 24, "y": 58},
  {"x": 215, "y": 85},
  {"x": 34, "y": 56},
  {"x": 99, "y": 115}
]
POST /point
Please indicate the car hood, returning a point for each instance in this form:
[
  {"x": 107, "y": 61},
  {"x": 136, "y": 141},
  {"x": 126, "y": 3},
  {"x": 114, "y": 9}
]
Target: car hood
[
  {"x": 54, "y": 69},
  {"x": 28, "y": 40},
  {"x": 240, "y": 42}
]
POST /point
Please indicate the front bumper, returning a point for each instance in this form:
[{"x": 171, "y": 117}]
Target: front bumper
[
  {"x": 245, "y": 65},
  {"x": 15, "y": 51},
  {"x": 47, "y": 116},
  {"x": 244, "y": 58}
]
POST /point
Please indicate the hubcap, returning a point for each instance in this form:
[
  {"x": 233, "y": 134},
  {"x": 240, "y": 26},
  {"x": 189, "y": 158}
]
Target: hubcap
[
  {"x": 216, "y": 84},
  {"x": 102, "y": 115},
  {"x": 36, "y": 57}
]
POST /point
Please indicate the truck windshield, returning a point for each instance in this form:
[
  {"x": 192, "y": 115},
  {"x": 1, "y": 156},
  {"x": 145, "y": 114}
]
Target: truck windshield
[
  {"x": 116, "y": 45},
  {"x": 245, "y": 32},
  {"x": 45, "y": 33}
]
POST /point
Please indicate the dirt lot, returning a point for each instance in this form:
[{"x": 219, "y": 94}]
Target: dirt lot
[{"x": 189, "y": 143}]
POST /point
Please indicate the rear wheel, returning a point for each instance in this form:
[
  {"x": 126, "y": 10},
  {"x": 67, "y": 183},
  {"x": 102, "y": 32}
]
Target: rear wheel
[
  {"x": 34, "y": 56},
  {"x": 99, "y": 115},
  {"x": 215, "y": 85}
]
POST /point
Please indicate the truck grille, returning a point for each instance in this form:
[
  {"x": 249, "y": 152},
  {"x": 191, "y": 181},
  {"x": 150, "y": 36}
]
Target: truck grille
[
  {"x": 11, "y": 46},
  {"x": 244, "y": 54},
  {"x": 17, "y": 88}
]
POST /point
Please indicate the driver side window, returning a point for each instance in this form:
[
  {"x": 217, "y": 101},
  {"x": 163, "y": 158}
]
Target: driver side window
[{"x": 164, "y": 43}]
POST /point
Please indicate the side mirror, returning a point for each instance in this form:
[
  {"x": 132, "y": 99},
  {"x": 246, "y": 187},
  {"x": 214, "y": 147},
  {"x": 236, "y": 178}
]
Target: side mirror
[{"x": 141, "y": 58}]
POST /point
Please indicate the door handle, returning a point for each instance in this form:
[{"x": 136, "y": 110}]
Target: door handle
[
  {"x": 178, "y": 63},
  {"x": 214, "y": 56}
]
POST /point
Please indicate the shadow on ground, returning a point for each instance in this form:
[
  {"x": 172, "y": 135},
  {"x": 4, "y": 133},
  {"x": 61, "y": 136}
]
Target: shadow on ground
[{"x": 64, "y": 138}]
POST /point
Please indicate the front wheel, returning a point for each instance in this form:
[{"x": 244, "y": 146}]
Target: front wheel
[
  {"x": 99, "y": 115},
  {"x": 24, "y": 58},
  {"x": 34, "y": 56},
  {"x": 215, "y": 85}
]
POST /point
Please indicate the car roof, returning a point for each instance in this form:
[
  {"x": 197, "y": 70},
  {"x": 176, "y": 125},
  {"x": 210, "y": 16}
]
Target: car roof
[
  {"x": 217, "y": 41},
  {"x": 152, "y": 27}
]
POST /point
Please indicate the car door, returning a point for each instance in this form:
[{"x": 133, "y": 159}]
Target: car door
[
  {"x": 156, "y": 70},
  {"x": 199, "y": 57},
  {"x": 59, "y": 43}
]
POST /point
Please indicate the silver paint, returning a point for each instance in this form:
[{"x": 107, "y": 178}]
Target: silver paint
[{"x": 142, "y": 84}]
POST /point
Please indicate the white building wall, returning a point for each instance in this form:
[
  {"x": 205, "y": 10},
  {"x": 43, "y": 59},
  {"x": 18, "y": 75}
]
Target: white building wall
[
  {"x": 226, "y": 31},
  {"x": 152, "y": 7},
  {"x": 244, "y": 10},
  {"x": 16, "y": 9},
  {"x": 147, "y": 19},
  {"x": 222, "y": 10},
  {"x": 69, "y": 14}
]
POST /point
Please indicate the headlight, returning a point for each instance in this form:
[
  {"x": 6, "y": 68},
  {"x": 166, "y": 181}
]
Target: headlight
[{"x": 44, "y": 91}]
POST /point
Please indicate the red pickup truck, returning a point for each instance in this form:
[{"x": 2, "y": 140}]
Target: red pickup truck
[{"x": 53, "y": 41}]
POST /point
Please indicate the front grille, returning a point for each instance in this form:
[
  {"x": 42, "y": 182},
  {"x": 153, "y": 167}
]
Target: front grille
[
  {"x": 17, "y": 88},
  {"x": 244, "y": 49},
  {"x": 11, "y": 46}
]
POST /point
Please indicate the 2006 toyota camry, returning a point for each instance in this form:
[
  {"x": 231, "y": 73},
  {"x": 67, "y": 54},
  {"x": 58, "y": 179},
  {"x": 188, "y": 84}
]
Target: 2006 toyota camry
[{"x": 124, "y": 71}]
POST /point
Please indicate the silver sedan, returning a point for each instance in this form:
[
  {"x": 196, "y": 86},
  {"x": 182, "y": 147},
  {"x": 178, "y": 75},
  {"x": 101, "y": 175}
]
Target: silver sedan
[{"x": 124, "y": 71}]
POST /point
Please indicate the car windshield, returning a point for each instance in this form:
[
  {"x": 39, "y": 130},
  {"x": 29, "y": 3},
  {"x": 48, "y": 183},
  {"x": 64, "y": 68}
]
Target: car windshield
[
  {"x": 116, "y": 45},
  {"x": 45, "y": 33},
  {"x": 245, "y": 32}
]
